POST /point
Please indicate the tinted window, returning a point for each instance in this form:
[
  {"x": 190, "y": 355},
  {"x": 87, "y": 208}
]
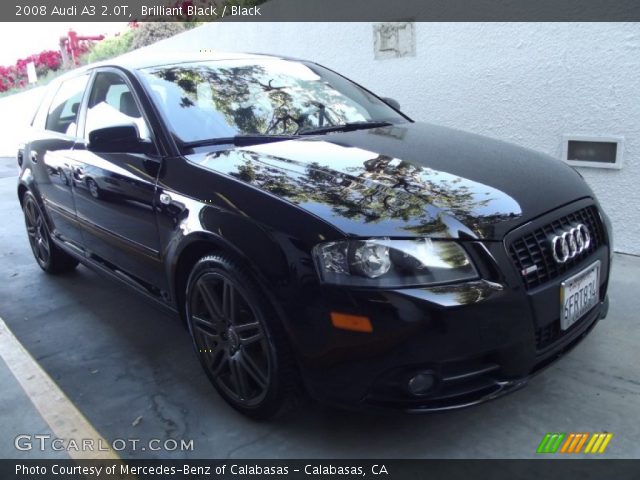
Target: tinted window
[
  {"x": 40, "y": 117},
  {"x": 112, "y": 103},
  {"x": 63, "y": 112},
  {"x": 220, "y": 99}
]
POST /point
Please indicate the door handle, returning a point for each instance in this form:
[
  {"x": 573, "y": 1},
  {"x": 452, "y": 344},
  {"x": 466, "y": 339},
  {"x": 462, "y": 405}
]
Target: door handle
[
  {"x": 34, "y": 157},
  {"x": 165, "y": 199}
]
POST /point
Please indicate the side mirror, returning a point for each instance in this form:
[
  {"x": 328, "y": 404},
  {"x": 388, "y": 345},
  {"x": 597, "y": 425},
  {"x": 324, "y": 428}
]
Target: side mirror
[
  {"x": 117, "y": 139},
  {"x": 391, "y": 102}
]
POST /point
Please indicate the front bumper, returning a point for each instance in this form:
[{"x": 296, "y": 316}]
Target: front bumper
[
  {"x": 479, "y": 340},
  {"x": 475, "y": 386}
]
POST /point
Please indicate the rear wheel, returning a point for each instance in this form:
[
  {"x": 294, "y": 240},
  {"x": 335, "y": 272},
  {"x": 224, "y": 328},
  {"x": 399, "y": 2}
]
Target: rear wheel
[
  {"x": 48, "y": 255},
  {"x": 238, "y": 338}
]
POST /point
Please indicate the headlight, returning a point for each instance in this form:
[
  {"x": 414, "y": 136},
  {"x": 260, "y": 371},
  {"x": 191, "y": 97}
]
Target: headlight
[{"x": 381, "y": 262}]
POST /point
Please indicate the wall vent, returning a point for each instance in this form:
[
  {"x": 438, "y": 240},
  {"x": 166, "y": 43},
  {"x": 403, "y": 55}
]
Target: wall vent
[{"x": 593, "y": 151}]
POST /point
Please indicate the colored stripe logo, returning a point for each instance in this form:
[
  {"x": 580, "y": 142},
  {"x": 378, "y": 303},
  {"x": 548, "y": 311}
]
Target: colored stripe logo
[{"x": 583, "y": 442}]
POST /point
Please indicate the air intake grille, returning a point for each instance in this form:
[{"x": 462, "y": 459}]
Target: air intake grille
[
  {"x": 534, "y": 248},
  {"x": 547, "y": 335}
]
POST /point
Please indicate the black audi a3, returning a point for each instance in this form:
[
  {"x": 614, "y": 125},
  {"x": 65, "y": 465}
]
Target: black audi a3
[{"x": 312, "y": 236}]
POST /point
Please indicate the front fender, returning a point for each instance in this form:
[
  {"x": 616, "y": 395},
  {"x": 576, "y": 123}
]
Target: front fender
[
  {"x": 25, "y": 182},
  {"x": 252, "y": 244}
]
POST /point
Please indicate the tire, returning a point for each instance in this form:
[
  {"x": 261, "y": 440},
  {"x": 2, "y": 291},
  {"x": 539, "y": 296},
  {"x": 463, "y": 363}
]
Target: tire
[
  {"x": 238, "y": 338},
  {"x": 49, "y": 256},
  {"x": 94, "y": 189}
]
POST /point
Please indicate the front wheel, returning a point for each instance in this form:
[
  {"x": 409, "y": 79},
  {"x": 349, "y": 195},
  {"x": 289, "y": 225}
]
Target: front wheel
[{"x": 238, "y": 337}]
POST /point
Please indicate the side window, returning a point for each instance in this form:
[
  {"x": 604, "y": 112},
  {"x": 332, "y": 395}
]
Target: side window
[
  {"x": 111, "y": 103},
  {"x": 40, "y": 117},
  {"x": 62, "y": 115}
]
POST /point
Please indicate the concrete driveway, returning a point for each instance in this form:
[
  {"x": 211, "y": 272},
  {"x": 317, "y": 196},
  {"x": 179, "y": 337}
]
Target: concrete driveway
[{"x": 130, "y": 370}]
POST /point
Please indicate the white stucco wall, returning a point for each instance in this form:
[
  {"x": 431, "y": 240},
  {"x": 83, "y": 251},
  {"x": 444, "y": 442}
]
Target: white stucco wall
[
  {"x": 16, "y": 112},
  {"x": 525, "y": 83}
]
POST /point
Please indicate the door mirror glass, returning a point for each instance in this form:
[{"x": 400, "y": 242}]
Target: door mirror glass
[{"x": 117, "y": 138}]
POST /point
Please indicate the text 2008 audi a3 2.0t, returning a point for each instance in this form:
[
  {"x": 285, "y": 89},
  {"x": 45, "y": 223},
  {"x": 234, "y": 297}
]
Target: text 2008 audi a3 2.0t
[{"x": 312, "y": 236}]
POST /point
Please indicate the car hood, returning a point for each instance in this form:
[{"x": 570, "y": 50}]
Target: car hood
[{"x": 406, "y": 180}]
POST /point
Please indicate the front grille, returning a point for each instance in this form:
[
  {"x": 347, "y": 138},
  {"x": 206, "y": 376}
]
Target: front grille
[{"x": 534, "y": 248}]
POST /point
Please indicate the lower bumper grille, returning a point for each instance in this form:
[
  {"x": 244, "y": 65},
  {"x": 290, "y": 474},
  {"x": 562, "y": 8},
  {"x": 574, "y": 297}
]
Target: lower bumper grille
[
  {"x": 459, "y": 383},
  {"x": 551, "y": 333},
  {"x": 548, "y": 334}
]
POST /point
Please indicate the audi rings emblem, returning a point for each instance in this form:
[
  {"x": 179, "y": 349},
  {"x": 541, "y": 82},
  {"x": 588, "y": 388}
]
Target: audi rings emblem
[{"x": 570, "y": 243}]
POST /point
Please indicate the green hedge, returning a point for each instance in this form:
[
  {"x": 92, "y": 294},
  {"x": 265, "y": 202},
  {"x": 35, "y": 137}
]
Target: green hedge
[
  {"x": 145, "y": 33},
  {"x": 111, "y": 47}
]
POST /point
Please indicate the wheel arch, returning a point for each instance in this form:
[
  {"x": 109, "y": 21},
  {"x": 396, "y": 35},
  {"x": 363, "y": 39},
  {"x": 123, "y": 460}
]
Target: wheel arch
[
  {"x": 199, "y": 244},
  {"x": 27, "y": 185},
  {"x": 22, "y": 190}
]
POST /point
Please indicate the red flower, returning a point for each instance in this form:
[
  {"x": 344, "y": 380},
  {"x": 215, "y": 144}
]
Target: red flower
[{"x": 14, "y": 76}]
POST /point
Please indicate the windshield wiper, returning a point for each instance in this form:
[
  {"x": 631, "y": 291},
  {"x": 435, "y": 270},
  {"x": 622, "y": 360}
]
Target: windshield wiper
[
  {"x": 344, "y": 127},
  {"x": 238, "y": 140},
  {"x": 257, "y": 139}
]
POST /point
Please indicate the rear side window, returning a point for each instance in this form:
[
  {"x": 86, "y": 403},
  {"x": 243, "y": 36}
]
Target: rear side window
[{"x": 62, "y": 116}]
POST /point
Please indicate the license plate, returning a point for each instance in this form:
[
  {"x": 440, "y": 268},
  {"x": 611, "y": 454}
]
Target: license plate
[{"x": 579, "y": 294}]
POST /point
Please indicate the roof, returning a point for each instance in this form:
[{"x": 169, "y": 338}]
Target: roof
[{"x": 138, "y": 60}]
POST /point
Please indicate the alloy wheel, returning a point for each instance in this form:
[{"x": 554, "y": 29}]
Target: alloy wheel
[
  {"x": 37, "y": 231},
  {"x": 230, "y": 339}
]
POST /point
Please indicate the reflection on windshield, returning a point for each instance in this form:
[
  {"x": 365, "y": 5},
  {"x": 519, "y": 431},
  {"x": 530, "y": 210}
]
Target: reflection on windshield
[{"x": 264, "y": 96}]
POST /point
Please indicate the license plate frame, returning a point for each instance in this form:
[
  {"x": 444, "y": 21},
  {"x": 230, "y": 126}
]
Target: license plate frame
[{"x": 578, "y": 286}]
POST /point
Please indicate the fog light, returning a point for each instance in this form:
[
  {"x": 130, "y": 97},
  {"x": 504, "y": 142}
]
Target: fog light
[{"x": 421, "y": 384}]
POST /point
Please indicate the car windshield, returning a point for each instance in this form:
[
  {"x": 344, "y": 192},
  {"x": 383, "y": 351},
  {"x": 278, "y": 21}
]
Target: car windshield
[{"x": 223, "y": 99}]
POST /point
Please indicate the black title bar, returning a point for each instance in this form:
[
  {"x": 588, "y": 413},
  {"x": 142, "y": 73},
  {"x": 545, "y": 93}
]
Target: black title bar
[{"x": 319, "y": 10}]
